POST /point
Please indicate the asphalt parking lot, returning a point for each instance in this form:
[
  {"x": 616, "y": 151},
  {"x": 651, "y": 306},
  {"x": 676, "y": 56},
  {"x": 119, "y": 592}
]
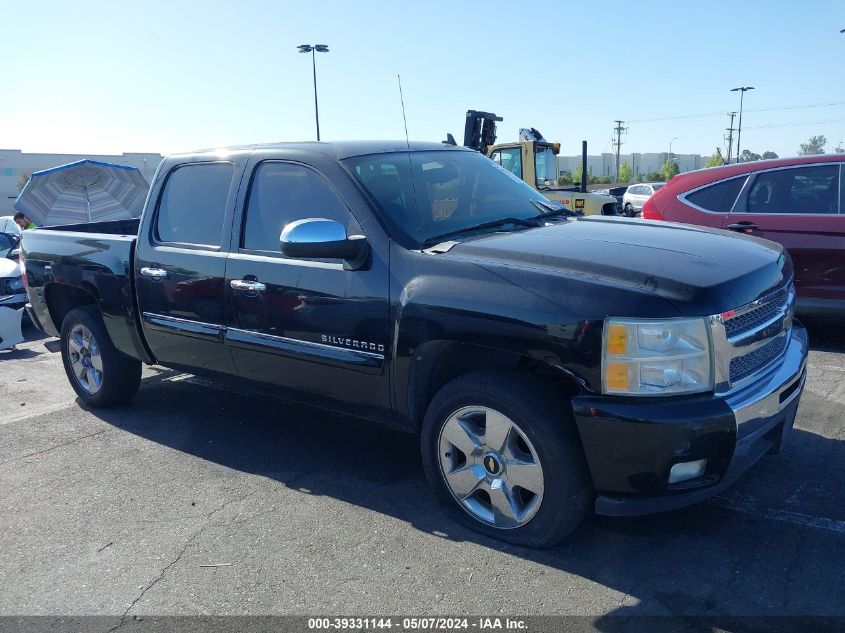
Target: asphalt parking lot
[{"x": 195, "y": 501}]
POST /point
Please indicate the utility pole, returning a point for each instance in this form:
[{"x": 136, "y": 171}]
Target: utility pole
[
  {"x": 731, "y": 131},
  {"x": 618, "y": 130}
]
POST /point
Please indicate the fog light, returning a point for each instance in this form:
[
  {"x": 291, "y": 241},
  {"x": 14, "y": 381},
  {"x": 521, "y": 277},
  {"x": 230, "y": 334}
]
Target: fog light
[{"x": 687, "y": 470}]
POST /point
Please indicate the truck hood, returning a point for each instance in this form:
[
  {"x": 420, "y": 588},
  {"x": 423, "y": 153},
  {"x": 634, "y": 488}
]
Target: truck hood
[
  {"x": 700, "y": 271},
  {"x": 9, "y": 268}
]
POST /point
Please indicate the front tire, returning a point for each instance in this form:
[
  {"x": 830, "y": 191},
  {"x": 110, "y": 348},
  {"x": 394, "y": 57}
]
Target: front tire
[
  {"x": 501, "y": 452},
  {"x": 629, "y": 211},
  {"x": 99, "y": 374}
]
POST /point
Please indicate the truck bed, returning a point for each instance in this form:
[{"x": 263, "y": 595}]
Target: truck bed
[
  {"x": 112, "y": 227},
  {"x": 89, "y": 263}
]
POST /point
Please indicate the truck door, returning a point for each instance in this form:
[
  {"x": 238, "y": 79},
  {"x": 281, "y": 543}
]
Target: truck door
[
  {"x": 306, "y": 325},
  {"x": 799, "y": 207},
  {"x": 180, "y": 263}
]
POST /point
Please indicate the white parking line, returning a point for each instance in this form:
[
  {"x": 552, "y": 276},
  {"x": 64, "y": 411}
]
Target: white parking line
[
  {"x": 749, "y": 506},
  {"x": 34, "y": 412}
]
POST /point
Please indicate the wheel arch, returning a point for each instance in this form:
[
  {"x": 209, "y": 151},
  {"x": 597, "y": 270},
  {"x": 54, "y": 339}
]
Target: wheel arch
[
  {"x": 437, "y": 363},
  {"x": 62, "y": 298}
]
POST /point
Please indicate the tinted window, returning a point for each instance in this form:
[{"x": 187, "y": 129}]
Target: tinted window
[
  {"x": 193, "y": 204},
  {"x": 719, "y": 197},
  {"x": 797, "y": 190},
  {"x": 282, "y": 193},
  {"x": 656, "y": 187}
]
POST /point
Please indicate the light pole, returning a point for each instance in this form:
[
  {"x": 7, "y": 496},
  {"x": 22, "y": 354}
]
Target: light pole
[
  {"x": 742, "y": 90},
  {"x": 669, "y": 157},
  {"x": 314, "y": 48}
]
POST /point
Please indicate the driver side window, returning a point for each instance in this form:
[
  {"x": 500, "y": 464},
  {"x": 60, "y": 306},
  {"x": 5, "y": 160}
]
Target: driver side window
[
  {"x": 282, "y": 193},
  {"x": 511, "y": 159}
]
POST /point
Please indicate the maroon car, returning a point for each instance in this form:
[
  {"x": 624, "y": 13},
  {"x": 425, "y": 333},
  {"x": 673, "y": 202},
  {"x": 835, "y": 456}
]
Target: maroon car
[{"x": 799, "y": 202}]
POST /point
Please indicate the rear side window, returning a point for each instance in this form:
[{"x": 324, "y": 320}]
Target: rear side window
[
  {"x": 719, "y": 197},
  {"x": 798, "y": 190},
  {"x": 282, "y": 193},
  {"x": 193, "y": 204}
]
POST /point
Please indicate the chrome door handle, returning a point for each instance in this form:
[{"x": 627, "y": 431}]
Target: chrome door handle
[
  {"x": 247, "y": 286},
  {"x": 156, "y": 274}
]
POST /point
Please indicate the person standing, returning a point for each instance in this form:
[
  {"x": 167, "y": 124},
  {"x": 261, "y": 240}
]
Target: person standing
[{"x": 24, "y": 222}]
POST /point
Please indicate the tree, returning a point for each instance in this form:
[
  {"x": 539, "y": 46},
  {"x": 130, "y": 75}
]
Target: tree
[
  {"x": 715, "y": 160},
  {"x": 814, "y": 146},
  {"x": 625, "y": 173},
  {"x": 653, "y": 176},
  {"x": 576, "y": 175},
  {"x": 747, "y": 156},
  {"x": 669, "y": 169},
  {"x": 768, "y": 155}
]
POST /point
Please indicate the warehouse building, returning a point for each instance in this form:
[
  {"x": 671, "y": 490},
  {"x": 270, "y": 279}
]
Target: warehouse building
[{"x": 640, "y": 163}]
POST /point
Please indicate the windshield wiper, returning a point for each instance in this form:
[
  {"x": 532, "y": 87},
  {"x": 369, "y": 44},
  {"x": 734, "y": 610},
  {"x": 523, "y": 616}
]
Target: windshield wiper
[
  {"x": 553, "y": 209},
  {"x": 525, "y": 222}
]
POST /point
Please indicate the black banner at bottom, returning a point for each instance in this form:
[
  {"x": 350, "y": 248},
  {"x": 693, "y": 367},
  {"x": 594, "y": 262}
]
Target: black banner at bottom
[{"x": 420, "y": 624}]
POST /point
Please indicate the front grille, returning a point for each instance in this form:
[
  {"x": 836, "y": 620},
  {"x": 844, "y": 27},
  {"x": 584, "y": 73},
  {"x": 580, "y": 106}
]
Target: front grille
[
  {"x": 738, "y": 325},
  {"x": 743, "y": 366},
  {"x": 753, "y": 338}
]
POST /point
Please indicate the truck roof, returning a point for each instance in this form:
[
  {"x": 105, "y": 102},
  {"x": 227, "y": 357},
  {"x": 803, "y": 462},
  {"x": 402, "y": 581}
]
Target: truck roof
[{"x": 336, "y": 149}]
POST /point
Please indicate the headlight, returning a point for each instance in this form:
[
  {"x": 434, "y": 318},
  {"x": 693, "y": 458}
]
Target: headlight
[
  {"x": 14, "y": 285},
  {"x": 669, "y": 356}
]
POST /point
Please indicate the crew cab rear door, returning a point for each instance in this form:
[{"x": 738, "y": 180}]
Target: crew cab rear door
[
  {"x": 180, "y": 261},
  {"x": 799, "y": 207},
  {"x": 307, "y": 325}
]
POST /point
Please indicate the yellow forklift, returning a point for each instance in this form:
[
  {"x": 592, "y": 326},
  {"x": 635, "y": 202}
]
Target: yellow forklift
[{"x": 534, "y": 160}]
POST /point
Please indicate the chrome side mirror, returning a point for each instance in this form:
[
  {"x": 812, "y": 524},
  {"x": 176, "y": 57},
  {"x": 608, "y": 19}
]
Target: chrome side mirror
[{"x": 319, "y": 238}]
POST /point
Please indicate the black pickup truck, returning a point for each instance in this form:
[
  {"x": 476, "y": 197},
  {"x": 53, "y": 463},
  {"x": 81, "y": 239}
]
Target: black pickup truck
[{"x": 423, "y": 287}]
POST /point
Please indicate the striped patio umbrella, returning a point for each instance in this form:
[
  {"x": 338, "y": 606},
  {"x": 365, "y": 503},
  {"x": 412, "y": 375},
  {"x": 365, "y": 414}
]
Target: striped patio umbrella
[{"x": 84, "y": 191}]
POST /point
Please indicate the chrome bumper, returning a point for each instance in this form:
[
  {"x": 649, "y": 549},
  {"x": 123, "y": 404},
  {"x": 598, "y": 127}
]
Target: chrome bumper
[{"x": 767, "y": 396}]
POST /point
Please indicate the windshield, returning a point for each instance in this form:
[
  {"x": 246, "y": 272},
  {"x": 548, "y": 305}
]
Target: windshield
[
  {"x": 545, "y": 166},
  {"x": 450, "y": 190},
  {"x": 7, "y": 243}
]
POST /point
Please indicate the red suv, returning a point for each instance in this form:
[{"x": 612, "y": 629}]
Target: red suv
[{"x": 799, "y": 202}]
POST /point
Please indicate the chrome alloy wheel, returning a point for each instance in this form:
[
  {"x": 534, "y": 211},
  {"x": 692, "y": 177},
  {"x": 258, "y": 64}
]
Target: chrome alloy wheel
[
  {"x": 490, "y": 467},
  {"x": 85, "y": 359}
]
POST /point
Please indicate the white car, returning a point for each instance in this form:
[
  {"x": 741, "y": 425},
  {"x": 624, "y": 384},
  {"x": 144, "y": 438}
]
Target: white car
[
  {"x": 636, "y": 195},
  {"x": 12, "y": 292},
  {"x": 8, "y": 225}
]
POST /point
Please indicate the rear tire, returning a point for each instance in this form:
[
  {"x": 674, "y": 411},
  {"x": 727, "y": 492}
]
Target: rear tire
[
  {"x": 540, "y": 450},
  {"x": 99, "y": 374}
]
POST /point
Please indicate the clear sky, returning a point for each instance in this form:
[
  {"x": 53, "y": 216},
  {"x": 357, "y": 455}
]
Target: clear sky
[{"x": 87, "y": 76}]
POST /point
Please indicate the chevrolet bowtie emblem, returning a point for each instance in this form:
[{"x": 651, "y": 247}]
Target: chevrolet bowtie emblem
[{"x": 491, "y": 465}]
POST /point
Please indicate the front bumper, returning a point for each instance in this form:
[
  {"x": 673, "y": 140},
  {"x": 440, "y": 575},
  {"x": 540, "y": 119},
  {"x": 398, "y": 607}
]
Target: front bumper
[{"x": 631, "y": 444}]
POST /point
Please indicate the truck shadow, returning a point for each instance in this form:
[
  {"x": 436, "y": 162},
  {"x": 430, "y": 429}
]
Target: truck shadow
[
  {"x": 826, "y": 335},
  {"x": 770, "y": 539}
]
